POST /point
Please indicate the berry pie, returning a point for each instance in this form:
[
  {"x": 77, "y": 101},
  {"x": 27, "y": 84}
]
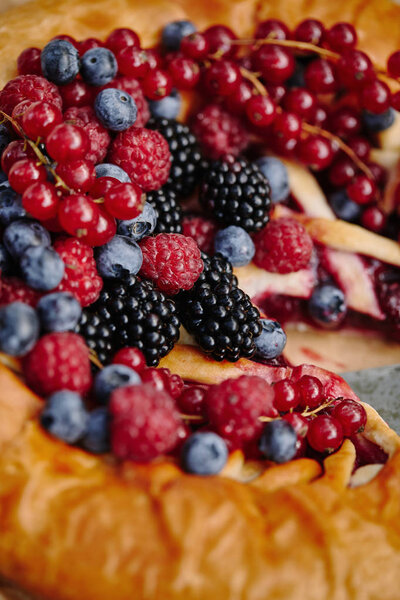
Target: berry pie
[{"x": 195, "y": 204}]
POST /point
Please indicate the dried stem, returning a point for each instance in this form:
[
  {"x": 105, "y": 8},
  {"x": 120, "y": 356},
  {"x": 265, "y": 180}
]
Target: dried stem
[
  {"x": 253, "y": 78},
  {"x": 315, "y": 411},
  {"x": 94, "y": 359},
  {"x": 289, "y": 44}
]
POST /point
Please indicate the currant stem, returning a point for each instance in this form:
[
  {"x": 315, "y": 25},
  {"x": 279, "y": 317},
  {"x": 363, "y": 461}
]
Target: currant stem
[
  {"x": 289, "y": 44},
  {"x": 253, "y": 78}
]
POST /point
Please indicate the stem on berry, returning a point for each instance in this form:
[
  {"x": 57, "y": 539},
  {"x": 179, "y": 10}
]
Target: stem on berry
[
  {"x": 42, "y": 158},
  {"x": 191, "y": 417},
  {"x": 267, "y": 419},
  {"x": 289, "y": 44},
  {"x": 94, "y": 359},
  {"x": 253, "y": 78},
  {"x": 315, "y": 130},
  {"x": 315, "y": 411}
]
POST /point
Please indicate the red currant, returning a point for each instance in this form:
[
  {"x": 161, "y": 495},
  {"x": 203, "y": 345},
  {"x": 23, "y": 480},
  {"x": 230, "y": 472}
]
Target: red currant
[
  {"x": 219, "y": 38},
  {"x": 379, "y": 173},
  {"x": 373, "y": 219},
  {"x": 320, "y": 117},
  {"x": 376, "y": 97},
  {"x": 351, "y": 415},
  {"x": 195, "y": 46},
  {"x": 41, "y": 200},
  {"x": 361, "y": 190},
  {"x": 222, "y": 77},
  {"x": 236, "y": 102},
  {"x": 260, "y": 110},
  {"x": 273, "y": 29},
  {"x": 18, "y": 112},
  {"x": 341, "y": 36},
  {"x": 66, "y": 38},
  {"x": 155, "y": 377},
  {"x": 286, "y": 396},
  {"x": 310, "y": 31},
  {"x": 275, "y": 63},
  {"x": 393, "y": 64},
  {"x": 300, "y": 101},
  {"x": 310, "y": 390},
  {"x": 287, "y": 125},
  {"x": 298, "y": 422},
  {"x": 345, "y": 121},
  {"x": 191, "y": 401},
  {"x": 157, "y": 84},
  {"x": 276, "y": 91},
  {"x": 355, "y": 69},
  {"x": 67, "y": 142},
  {"x": 133, "y": 61},
  {"x": 77, "y": 215},
  {"x": 28, "y": 62},
  {"x": 342, "y": 172},
  {"x": 79, "y": 175},
  {"x": 360, "y": 146},
  {"x": 89, "y": 44},
  {"x": 320, "y": 76},
  {"x": 102, "y": 230},
  {"x": 316, "y": 152},
  {"x": 124, "y": 201},
  {"x": 25, "y": 172},
  {"x": 76, "y": 93},
  {"x": 16, "y": 150},
  {"x": 40, "y": 119},
  {"x": 325, "y": 433},
  {"x": 154, "y": 58},
  {"x": 102, "y": 185},
  {"x": 121, "y": 38},
  {"x": 185, "y": 72},
  {"x": 130, "y": 357}
]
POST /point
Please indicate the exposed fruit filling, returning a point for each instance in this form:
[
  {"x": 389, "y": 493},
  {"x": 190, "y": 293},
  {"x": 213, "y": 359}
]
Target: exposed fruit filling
[{"x": 120, "y": 224}]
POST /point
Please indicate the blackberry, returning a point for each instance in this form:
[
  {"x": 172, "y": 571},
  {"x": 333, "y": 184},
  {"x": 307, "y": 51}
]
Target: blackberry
[
  {"x": 236, "y": 192},
  {"x": 186, "y": 166},
  {"x": 218, "y": 314},
  {"x": 169, "y": 212},
  {"x": 98, "y": 335},
  {"x": 140, "y": 316}
]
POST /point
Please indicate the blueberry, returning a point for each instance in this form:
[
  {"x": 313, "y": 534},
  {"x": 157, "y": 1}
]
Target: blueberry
[
  {"x": 42, "y": 268},
  {"x": 275, "y": 171},
  {"x": 343, "y": 207},
  {"x": 115, "y": 109},
  {"x": 112, "y": 377},
  {"x": 174, "y": 32},
  {"x": 327, "y": 305},
  {"x": 60, "y": 62},
  {"x": 5, "y": 137},
  {"x": 204, "y": 453},
  {"x": 375, "y": 123},
  {"x": 168, "y": 107},
  {"x": 10, "y": 206},
  {"x": 19, "y": 328},
  {"x": 121, "y": 256},
  {"x": 65, "y": 416},
  {"x": 5, "y": 261},
  {"x": 142, "y": 225},
  {"x": 4, "y": 183},
  {"x": 271, "y": 341},
  {"x": 59, "y": 311},
  {"x": 23, "y": 234},
  {"x": 235, "y": 244},
  {"x": 97, "y": 436},
  {"x": 98, "y": 66},
  {"x": 110, "y": 170},
  {"x": 278, "y": 441}
]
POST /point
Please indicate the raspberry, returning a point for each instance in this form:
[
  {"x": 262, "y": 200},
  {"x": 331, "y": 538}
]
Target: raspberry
[
  {"x": 283, "y": 246},
  {"x": 28, "y": 87},
  {"x": 80, "y": 277},
  {"x": 98, "y": 136},
  {"x": 235, "y": 405},
  {"x": 144, "y": 154},
  {"x": 132, "y": 86},
  {"x": 219, "y": 133},
  {"x": 13, "y": 289},
  {"x": 145, "y": 423},
  {"x": 172, "y": 261},
  {"x": 59, "y": 361},
  {"x": 202, "y": 231}
]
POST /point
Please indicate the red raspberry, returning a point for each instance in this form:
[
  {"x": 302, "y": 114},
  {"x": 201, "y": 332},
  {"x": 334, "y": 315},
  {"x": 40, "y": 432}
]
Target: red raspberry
[
  {"x": 172, "y": 261},
  {"x": 145, "y": 423},
  {"x": 99, "y": 137},
  {"x": 80, "y": 277},
  {"x": 219, "y": 133},
  {"x": 163, "y": 379},
  {"x": 132, "y": 86},
  {"x": 202, "y": 231},
  {"x": 59, "y": 361},
  {"x": 235, "y": 405},
  {"x": 283, "y": 246},
  {"x": 28, "y": 87},
  {"x": 13, "y": 289},
  {"x": 144, "y": 154}
]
